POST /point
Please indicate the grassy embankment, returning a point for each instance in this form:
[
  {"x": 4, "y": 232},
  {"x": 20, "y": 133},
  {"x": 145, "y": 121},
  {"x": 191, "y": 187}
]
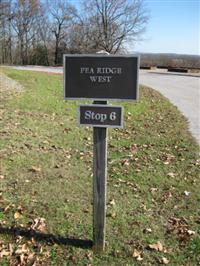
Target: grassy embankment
[{"x": 46, "y": 172}]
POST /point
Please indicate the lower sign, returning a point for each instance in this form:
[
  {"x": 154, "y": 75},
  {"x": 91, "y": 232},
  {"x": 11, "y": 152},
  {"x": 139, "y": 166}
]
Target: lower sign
[{"x": 101, "y": 116}]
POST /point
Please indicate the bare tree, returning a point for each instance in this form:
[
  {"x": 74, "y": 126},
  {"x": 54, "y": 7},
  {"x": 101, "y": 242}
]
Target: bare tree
[
  {"x": 43, "y": 38},
  {"x": 24, "y": 19},
  {"x": 40, "y": 31},
  {"x": 80, "y": 40},
  {"x": 5, "y": 32},
  {"x": 114, "y": 22},
  {"x": 62, "y": 14}
]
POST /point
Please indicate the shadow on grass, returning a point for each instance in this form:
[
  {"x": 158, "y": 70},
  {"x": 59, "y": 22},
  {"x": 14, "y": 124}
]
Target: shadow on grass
[{"x": 48, "y": 238}]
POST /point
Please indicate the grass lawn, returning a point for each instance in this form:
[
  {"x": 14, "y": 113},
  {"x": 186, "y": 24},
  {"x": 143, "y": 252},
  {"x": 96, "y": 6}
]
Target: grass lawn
[{"x": 153, "y": 214}]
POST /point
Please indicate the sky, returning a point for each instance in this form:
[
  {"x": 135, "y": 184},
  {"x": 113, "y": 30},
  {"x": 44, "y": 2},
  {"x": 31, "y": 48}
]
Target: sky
[{"x": 174, "y": 27}]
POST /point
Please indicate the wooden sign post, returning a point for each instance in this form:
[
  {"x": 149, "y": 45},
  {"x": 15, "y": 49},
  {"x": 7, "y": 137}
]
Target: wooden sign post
[
  {"x": 100, "y": 78},
  {"x": 99, "y": 187},
  {"x": 100, "y": 116}
]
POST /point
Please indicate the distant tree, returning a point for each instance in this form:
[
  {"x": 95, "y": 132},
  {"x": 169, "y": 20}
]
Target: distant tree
[
  {"x": 62, "y": 14},
  {"x": 81, "y": 40},
  {"x": 40, "y": 31},
  {"x": 111, "y": 23},
  {"x": 5, "y": 32},
  {"x": 24, "y": 21},
  {"x": 41, "y": 49}
]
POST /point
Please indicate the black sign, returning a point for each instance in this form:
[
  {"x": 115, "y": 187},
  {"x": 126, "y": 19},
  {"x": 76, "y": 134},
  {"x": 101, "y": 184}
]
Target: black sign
[
  {"x": 101, "y": 77},
  {"x": 101, "y": 116}
]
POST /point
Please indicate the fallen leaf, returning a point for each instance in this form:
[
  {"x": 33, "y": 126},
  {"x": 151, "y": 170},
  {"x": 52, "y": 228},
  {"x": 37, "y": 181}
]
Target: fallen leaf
[
  {"x": 166, "y": 162},
  {"x": 113, "y": 215},
  {"x": 186, "y": 193},
  {"x": 179, "y": 227},
  {"x": 10, "y": 248},
  {"x": 30, "y": 257},
  {"x": 139, "y": 258},
  {"x": 39, "y": 224},
  {"x": 112, "y": 202},
  {"x": 137, "y": 255},
  {"x": 126, "y": 162},
  {"x": 45, "y": 142},
  {"x": 22, "y": 259},
  {"x": 171, "y": 174},
  {"x": 148, "y": 230},
  {"x": 35, "y": 169},
  {"x": 164, "y": 261},
  {"x": 88, "y": 255},
  {"x": 22, "y": 249},
  {"x": 4, "y": 253},
  {"x": 190, "y": 232},
  {"x": 157, "y": 246},
  {"x": 7, "y": 208},
  {"x": 17, "y": 215},
  {"x": 153, "y": 190}
]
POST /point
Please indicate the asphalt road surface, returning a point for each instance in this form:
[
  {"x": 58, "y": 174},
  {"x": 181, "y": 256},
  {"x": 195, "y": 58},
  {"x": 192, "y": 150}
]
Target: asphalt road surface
[{"x": 183, "y": 90}]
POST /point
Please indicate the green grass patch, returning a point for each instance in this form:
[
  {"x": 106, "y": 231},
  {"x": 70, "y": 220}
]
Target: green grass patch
[{"x": 46, "y": 180}]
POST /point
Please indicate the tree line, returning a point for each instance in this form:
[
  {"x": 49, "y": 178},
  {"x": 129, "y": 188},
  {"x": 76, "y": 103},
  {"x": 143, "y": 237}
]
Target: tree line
[
  {"x": 41, "y": 31},
  {"x": 170, "y": 61}
]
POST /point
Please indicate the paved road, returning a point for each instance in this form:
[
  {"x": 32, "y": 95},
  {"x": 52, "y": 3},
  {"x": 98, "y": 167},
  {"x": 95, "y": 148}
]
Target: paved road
[{"x": 181, "y": 89}]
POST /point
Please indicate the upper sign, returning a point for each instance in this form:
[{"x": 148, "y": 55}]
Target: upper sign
[{"x": 101, "y": 77}]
